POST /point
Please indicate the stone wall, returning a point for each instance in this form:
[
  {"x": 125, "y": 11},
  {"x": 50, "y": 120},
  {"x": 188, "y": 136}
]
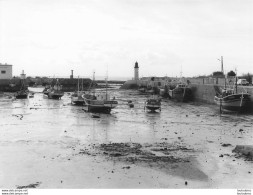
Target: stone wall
[{"x": 131, "y": 84}]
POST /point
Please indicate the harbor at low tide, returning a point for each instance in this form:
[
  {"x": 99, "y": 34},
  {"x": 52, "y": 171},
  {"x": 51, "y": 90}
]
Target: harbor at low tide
[{"x": 52, "y": 144}]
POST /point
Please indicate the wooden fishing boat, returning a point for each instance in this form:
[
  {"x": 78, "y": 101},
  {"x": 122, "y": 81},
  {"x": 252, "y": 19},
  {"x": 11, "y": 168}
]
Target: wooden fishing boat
[
  {"x": 23, "y": 92},
  {"x": 55, "y": 92},
  {"x": 46, "y": 90},
  {"x": 153, "y": 104},
  {"x": 99, "y": 102},
  {"x": 76, "y": 97},
  {"x": 230, "y": 100}
]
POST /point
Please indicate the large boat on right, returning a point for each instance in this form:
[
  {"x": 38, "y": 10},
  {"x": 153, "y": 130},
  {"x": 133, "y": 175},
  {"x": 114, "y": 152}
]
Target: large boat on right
[{"x": 229, "y": 99}]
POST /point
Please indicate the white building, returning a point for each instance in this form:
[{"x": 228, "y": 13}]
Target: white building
[{"x": 5, "y": 71}]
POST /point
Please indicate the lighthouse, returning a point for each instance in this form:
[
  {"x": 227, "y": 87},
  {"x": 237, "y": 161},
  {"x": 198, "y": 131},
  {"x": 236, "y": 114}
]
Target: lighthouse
[{"x": 136, "y": 71}]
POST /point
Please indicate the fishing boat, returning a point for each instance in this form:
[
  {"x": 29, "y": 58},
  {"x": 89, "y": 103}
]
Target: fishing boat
[
  {"x": 23, "y": 92},
  {"x": 153, "y": 104},
  {"x": 46, "y": 90},
  {"x": 181, "y": 93},
  {"x": 142, "y": 89},
  {"x": 99, "y": 102},
  {"x": 55, "y": 92},
  {"x": 76, "y": 97},
  {"x": 229, "y": 98}
]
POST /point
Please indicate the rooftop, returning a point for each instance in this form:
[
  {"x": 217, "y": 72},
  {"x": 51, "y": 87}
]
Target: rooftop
[{"x": 5, "y": 64}]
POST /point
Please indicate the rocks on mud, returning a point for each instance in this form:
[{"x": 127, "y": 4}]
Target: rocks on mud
[
  {"x": 95, "y": 116},
  {"x": 245, "y": 150},
  {"x": 225, "y": 145}
]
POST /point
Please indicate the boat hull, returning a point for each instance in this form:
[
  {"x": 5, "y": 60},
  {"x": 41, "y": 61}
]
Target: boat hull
[
  {"x": 234, "y": 102},
  {"x": 57, "y": 96},
  {"x": 100, "y": 106},
  {"x": 22, "y": 96},
  {"x": 153, "y": 108},
  {"x": 97, "y": 109},
  {"x": 153, "y": 104},
  {"x": 77, "y": 101}
]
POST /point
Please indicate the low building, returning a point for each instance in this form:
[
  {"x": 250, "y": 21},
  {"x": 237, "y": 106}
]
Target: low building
[{"x": 5, "y": 71}]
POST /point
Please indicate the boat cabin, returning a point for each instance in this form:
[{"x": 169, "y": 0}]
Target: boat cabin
[
  {"x": 226, "y": 92},
  {"x": 102, "y": 96},
  {"x": 181, "y": 85}
]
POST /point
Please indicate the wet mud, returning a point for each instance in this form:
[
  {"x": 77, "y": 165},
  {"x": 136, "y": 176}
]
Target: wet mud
[{"x": 186, "y": 145}]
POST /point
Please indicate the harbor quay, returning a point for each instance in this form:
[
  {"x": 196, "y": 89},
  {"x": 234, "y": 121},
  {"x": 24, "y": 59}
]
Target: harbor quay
[{"x": 203, "y": 89}]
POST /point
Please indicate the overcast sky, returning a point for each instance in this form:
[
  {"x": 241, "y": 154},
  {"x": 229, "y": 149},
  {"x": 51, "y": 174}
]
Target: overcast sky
[{"x": 51, "y": 37}]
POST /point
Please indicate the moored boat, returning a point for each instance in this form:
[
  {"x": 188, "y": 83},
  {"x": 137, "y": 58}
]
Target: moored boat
[
  {"x": 46, "y": 90},
  {"x": 153, "y": 104},
  {"x": 230, "y": 100},
  {"x": 99, "y": 102},
  {"x": 76, "y": 97},
  {"x": 23, "y": 92},
  {"x": 55, "y": 92}
]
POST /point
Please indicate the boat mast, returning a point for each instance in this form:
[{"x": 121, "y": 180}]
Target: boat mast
[
  {"x": 181, "y": 74},
  {"x": 222, "y": 70},
  {"x": 93, "y": 83},
  {"x": 78, "y": 85},
  {"x": 236, "y": 81},
  {"x": 82, "y": 84},
  {"x": 106, "y": 82}
]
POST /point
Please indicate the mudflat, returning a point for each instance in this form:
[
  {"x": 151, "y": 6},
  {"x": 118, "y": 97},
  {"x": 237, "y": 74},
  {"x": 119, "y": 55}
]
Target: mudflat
[{"x": 48, "y": 143}]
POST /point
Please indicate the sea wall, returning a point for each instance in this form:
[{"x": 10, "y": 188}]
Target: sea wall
[
  {"x": 130, "y": 84},
  {"x": 68, "y": 85},
  {"x": 7, "y": 85}
]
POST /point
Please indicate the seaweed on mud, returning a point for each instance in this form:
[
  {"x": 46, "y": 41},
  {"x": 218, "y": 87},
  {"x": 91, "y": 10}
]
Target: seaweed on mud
[
  {"x": 29, "y": 186},
  {"x": 135, "y": 152},
  {"x": 246, "y": 157},
  {"x": 121, "y": 149}
]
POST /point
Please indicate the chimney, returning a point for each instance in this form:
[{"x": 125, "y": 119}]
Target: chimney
[{"x": 72, "y": 75}]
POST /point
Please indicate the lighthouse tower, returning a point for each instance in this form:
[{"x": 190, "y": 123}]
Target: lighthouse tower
[{"x": 136, "y": 71}]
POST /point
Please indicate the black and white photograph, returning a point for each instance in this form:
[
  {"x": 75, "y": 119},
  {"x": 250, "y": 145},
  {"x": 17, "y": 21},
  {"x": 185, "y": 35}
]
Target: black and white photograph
[{"x": 126, "y": 95}]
